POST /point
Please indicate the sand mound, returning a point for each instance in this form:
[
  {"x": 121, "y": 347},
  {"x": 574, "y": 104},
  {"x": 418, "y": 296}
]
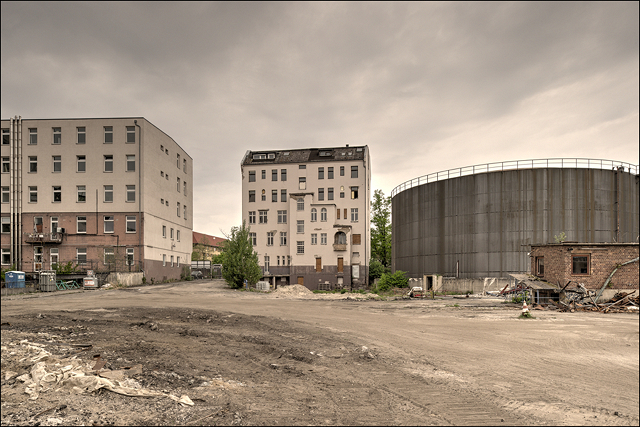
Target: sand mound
[{"x": 293, "y": 290}]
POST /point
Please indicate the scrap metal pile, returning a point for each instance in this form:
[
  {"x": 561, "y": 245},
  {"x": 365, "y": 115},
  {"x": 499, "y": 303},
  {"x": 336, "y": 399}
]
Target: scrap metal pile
[{"x": 581, "y": 299}]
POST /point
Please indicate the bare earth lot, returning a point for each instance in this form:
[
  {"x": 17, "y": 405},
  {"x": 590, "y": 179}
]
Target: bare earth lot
[{"x": 247, "y": 358}]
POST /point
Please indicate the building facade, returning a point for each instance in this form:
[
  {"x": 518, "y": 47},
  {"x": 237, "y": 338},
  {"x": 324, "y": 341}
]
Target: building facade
[
  {"x": 101, "y": 194},
  {"x": 587, "y": 263},
  {"x": 206, "y": 246},
  {"x": 308, "y": 211}
]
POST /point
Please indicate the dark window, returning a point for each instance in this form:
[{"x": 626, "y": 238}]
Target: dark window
[
  {"x": 320, "y": 173},
  {"x": 252, "y": 176},
  {"x": 274, "y": 174},
  {"x": 540, "y": 266},
  {"x": 264, "y": 174},
  {"x": 274, "y": 195},
  {"x": 330, "y": 193},
  {"x": 283, "y": 195},
  {"x": 320, "y": 194},
  {"x": 252, "y": 195},
  {"x": 283, "y": 175},
  {"x": 354, "y": 171},
  {"x": 330, "y": 172},
  {"x": 341, "y": 170},
  {"x": 580, "y": 264}
]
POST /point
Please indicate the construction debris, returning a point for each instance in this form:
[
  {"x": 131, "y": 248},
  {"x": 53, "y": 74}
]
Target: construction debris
[{"x": 581, "y": 299}]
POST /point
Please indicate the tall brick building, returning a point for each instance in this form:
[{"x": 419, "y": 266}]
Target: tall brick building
[
  {"x": 586, "y": 263},
  {"x": 102, "y": 193}
]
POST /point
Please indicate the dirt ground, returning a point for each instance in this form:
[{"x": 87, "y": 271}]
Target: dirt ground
[{"x": 293, "y": 357}]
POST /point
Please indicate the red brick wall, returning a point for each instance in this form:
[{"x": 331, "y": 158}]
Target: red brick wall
[{"x": 603, "y": 260}]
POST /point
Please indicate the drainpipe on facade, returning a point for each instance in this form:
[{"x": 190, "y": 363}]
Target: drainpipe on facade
[{"x": 135, "y": 122}]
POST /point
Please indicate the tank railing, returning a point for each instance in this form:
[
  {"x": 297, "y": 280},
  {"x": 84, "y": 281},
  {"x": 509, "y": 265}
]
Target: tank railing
[{"x": 575, "y": 163}]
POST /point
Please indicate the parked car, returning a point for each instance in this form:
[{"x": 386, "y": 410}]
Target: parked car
[{"x": 196, "y": 274}]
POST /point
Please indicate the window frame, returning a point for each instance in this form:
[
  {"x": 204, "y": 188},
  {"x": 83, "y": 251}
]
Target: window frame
[
  {"x": 57, "y": 162},
  {"x": 314, "y": 215},
  {"x": 6, "y": 194},
  {"x": 300, "y": 226},
  {"x": 57, "y": 136},
  {"x": 81, "y": 135},
  {"x": 33, "y": 194},
  {"x": 131, "y": 219},
  {"x": 81, "y": 219},
  {"x": 300, "y": 247},
  {"x": 57, "y": 193},
  {"x": 131, "y": 194},
  {"x": 283, "y": 238},
  {"x": 321, "y": 194},
  {"x": 130, "y": 165},
  {"x": 81, "y": 159},
  {"x": 33, "y": 136},
  {"x": 107, "y": 189},
  {"x": 252, "y": 217},
  {"x": 323, "y": 215},
  {"x": 131, "y": 135},
  {"x": 252, "y": 176},
  {"x": 573, "y": 264},
  {"x": 354, "y": 171},
  {"x": 354, "y": 214},
  {"x": 6, "y": 164},
  {"x": 314, "y": 238},
  {"x": 108, "y": 160},
  {"x": 33, "y": 164},
  {"x": 321, "y": 172},
  {"x": 81, "y": 193},
  {"x": 539, "y": 266},
  {"x": 329, "y": 172},
  {"x": 108, "y": 219},
  {"x": 282, "y": 217},
  {"x": 283, "y": 174},
  {"x": 108, "y": 135}
]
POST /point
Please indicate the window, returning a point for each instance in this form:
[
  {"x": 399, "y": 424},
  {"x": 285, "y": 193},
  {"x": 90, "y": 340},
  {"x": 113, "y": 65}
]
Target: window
[
  {"x": 330, "y": 172},
  {"x": 252, "y": 176},
  {"x": 108, "y": 193},
  {"x": 108, "y": 134},
  {"x": 314, "y": 215},
  {"x": 5, "y": 165},
  {"x": 282, "y": 217},
  {"x": 6, "y": 257},
  {"x": 131, "y": 224},
  {"x": 283, "y": 174},
  {"x": 354, "y": 193},
  {"x": 320, "y": 173},
  {"x": 5, "y": 194},
  {"x": 266, "y": 263},
  {"x": 254, "y": 239},
  {"x": 81, "y": 162},
  {"x": 162, "y": 148},
  {"x": 356, "y": 239},
  {"x": 323, "y": 238},
  {"x": 131, "y": 193},
  {"x": 178, "y": 160},
  {"x": 82, "y": 193},
  {"x": 33, "y": 164},
  {"x": 354, "y": 171},
  {"x": 131, "y": 135},
  {"x": 274, "y": 174},
  {"x": 108, "y": 224},
  {"x": 340, "y": 238},
  {"x": 354, "y": 214},
  {"x": 264, "y": 195},
  {"x": 341, "y": 170},
  {"x": 81, "y": 224},
  {"x": 6, "y": 224},
  {"x": 130, "y": 256},
  {"x": 57, "y": 136},
  {"x": 81, "y": 255},
  {"x": 252, "y": 217},
  {"x": 82, "y": 135},
  {"x": 539, "y": 266},
  {"x": 178, "y": 184},
  {"x": 302, "y": 166},
  {"x": 164, "y": 260},
  {"x": 330, "y": 193},
  {"x": 57, "y": 163},
  {"x": 263, "y": 217},
  {"x": 171, "y": 234},
  {"x": 318, "y": 265},
  {"x": 184, "y": 187},
  {"x": 178, "y": 235},
  {"x": 33, "y": 194},
  {"x": 278, "y": 257},
  {"x": 164, "y": 231},
  {"x": 342, "y": 194},
  {"x": 580, "y": 264},
  {"x": 108, "y": 163},
  {"x": 5, "y": 136},
  {"x": 300, "y": 204},
  {"x": 264, "y": 174},
  {"x": 131, "y": 163},
  {"x": 54, "y": 224},
  {"x": 274, "y": 195},
  {"x": 300, "y": 247},
  {"x": 184, "y": 165},
  {"x": 162, "y": 174},
  {"x": 314, "y": 239},
  {"x": 57, "y": 194},
  {"x": 283, "y": 238},
  {"x": 33, "y": 136},
  {"x": 54, "y": 254},
  {"x": 302, "y": 183},
  {"x": 252, "y": 195},
  {"x": 178, "y": 210},
  {"x": 37, "y": 224},
  {"x": 337, "y": 213},
  {"x": 109, "y": 256},
  {"x": 300, "y": 226},
  {"x": 323, "y": 214},
  {"x": 283, "y": 195},
  {"x": 166, "y": 176},
  {"x": 162, "y": 202},
  {"x": 270, "y": 236},
  {"x": 184, "y": 211},
  {"x": 321, "y": 194}
]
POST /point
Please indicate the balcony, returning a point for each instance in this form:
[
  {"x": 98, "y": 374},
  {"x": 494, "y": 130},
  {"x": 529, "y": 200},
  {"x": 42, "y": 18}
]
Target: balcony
[
  {"x": 339, "y": 247},
  {"x": 44, "y": 238}
]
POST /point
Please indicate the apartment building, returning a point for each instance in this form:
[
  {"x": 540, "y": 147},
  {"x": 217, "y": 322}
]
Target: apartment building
[
  {"x": 308, "y": 210},
  {"x": 103, "y": 193}
]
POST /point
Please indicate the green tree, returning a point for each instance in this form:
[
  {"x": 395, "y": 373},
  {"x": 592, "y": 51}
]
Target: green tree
[
  {"x": 381, "y": 228},
  {"x": 376, "y": 269},
  {"x": 239, "y": 260}
]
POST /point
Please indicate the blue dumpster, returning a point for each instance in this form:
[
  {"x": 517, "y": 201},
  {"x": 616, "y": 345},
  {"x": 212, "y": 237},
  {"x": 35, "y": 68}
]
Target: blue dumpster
[{"x": 14, "y": 279}]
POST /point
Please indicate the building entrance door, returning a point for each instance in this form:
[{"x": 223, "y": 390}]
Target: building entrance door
[
  {"x": 301, "y": 280},
  {"x": 37, "y": 258}
]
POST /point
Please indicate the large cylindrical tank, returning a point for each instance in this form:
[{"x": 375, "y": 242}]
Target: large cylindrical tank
[{"x": 480, "y": 221}]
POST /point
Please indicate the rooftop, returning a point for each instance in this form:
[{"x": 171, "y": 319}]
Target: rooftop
[{"x": 304, "y": 155}]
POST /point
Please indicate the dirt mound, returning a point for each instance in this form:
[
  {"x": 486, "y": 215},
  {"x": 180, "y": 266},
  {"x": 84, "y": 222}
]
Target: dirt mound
[{"x": 293, "y": 291}]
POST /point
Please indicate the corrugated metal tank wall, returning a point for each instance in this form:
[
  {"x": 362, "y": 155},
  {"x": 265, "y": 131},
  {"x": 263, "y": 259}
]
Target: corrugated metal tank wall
[{"x": 484, "y": 223}]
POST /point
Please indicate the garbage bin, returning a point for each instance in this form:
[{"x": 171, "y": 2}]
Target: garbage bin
[
  {"x": 14, "y": 279},
  {"x": 47, "y": 281}
]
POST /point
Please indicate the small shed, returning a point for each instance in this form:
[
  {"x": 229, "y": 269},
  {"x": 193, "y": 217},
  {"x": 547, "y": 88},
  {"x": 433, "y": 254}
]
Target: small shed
[{"x": 541, "y": 291}]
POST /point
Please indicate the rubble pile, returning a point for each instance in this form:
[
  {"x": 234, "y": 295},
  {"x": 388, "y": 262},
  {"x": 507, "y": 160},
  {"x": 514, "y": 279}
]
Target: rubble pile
[{"x": 584, "y": 300}]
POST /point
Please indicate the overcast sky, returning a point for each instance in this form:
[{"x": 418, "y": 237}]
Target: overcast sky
[{"x": 427, "y": 86}]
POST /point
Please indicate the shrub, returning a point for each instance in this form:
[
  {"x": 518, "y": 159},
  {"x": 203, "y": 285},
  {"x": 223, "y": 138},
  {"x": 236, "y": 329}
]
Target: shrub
[{"x": 389, "y": 281}]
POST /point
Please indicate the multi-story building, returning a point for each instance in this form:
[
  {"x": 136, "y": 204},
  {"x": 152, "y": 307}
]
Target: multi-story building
[
  {"x": 308, "y": 211},
  {"x": 100, "y": 193}
]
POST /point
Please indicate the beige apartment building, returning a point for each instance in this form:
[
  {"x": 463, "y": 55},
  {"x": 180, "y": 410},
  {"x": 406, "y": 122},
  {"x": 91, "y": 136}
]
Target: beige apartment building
[
  {"x": 308, "y": 211},
  {"x": 105, "y": 194}
]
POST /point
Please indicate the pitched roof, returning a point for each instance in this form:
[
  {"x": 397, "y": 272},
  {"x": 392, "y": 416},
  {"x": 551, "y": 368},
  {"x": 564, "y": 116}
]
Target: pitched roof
[
  {"x": 199, "y": 238},
  {"x": 304, "y": 155}
]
